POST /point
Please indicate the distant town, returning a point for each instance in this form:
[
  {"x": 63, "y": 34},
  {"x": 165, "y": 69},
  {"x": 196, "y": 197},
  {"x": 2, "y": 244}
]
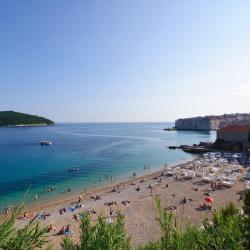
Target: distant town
[
  {"x": 233, "y": 133},
  {"x": 212, "y": 122}
]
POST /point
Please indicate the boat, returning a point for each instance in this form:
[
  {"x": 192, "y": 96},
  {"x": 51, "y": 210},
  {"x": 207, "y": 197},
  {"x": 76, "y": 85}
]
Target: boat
[
  {"x": 73, "y": 170},
  {"x": 46, "y": 142}
]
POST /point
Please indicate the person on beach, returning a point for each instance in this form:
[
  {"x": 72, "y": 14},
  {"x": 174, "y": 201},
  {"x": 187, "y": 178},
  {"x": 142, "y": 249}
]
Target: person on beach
[
  {"x": 36, "y": 197},
  {"x": 62, "y": 231},
  {"x": 7, "y": 211},
  {"x": 110, "y": 212},
  {"x": 79, "y": 199},
  {"x": 184, "y": 200},
  {"x": 67, "y": 229},
  {"x": 51, "y": 228},
  {"x": 75, "y": 217}
]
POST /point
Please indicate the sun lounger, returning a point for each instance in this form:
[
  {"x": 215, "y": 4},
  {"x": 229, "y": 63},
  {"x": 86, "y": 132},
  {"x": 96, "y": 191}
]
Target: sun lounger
[
  {"x": 71, "y": 209},
  {"x": 227, "y": 183}
]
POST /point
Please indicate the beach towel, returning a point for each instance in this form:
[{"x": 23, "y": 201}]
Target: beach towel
[
  {"x": 68, "y": 233},
  {"x": 71, "y": 209},
  {"x": 81, "y": 215}
]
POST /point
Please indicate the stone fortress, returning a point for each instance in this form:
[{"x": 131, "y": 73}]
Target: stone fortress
[{"x": 212, "y": 122}]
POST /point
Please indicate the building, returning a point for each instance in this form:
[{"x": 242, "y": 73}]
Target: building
[
  {"x": 234, "y": 133},
  {"x": 198, "y": 123},
  {"x": 211, "y": 122}
]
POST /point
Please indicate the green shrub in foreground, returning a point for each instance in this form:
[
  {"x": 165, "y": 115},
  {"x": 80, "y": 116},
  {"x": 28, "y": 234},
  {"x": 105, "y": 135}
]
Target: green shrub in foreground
[
  {"x": 100, "y": 236},
  {"x": 28, "y": 238},
  {"x": 227, "y": 230}
]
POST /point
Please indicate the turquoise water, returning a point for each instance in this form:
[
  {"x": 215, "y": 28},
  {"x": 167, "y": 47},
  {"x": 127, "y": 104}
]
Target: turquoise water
[{"x": 101, "y": 150}]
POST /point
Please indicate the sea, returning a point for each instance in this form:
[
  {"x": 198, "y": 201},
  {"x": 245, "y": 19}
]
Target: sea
[{"x": 103, "y": 152}]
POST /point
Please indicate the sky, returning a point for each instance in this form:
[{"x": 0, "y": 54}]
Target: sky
[{"x": 124, "y": 60}]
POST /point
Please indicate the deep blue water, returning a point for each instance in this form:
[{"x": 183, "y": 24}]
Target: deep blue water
[{"x": 100, "y": 150}]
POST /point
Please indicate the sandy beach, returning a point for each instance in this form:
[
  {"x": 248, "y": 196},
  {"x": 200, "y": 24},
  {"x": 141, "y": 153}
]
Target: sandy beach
[{"x": 136, "y": 199}]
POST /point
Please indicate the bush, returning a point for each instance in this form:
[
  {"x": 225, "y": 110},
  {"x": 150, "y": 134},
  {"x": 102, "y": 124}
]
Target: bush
[
  {"x": 227, "y": 230},
  {"x": 101, "y": 236},
  {"x": 28, "y": 238}
]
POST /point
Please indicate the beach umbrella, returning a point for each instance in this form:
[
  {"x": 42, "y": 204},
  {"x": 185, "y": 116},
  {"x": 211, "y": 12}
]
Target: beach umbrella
[{"x": 209, "y": 199}]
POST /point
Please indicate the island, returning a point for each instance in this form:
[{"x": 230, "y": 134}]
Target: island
[{"x": 17, "y": 119}]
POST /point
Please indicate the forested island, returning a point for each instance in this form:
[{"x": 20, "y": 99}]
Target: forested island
[{"x": 11, "y": 118}]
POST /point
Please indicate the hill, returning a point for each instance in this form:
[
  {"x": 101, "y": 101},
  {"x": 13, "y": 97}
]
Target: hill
[{"x": 11, "y": 118}]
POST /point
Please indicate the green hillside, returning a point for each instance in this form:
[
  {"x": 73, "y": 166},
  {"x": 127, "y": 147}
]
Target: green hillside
[{"x": 11, "y": 118}]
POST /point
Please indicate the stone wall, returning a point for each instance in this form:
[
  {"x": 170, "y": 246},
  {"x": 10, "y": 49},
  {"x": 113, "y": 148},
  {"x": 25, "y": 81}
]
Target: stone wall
[
  {"x": 197, "y": 123},
  {"x": 211, "y": 122},
  {"x": 233, "y": 136}
]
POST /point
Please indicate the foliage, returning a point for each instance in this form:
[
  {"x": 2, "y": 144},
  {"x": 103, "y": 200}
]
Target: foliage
[
  {"x": 11, "y": 118},
  {"x": 246, "y": 206},
  {"x": 27, "y": 238},
  {"x": 101, "y": 236},
  {"x": 227, "y": 230}
]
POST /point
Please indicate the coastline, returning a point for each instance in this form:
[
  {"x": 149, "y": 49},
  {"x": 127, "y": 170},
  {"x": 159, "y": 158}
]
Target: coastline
[
  {"x": 26, "y": 125},
  {"x": 140, "y": 212},
  {"x": 100, "y": 188},
  {"x": 36, "y": 206}
]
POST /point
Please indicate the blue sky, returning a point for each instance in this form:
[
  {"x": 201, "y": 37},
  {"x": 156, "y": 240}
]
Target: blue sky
[{"x": 83, "y": 61}]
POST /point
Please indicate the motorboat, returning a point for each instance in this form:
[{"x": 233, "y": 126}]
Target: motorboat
[{"x": 46, "y": 142}]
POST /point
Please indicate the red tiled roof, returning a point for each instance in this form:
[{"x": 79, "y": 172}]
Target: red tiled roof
[{"x": 236, "y": 128}]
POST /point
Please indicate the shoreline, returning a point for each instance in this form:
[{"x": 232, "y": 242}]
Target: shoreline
[
  {"x": 102, "y": 188},
  {"x": 51, "y": 202},
  {"x": 136, "y": 200},
  {"x": 26, "y": 125}
]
